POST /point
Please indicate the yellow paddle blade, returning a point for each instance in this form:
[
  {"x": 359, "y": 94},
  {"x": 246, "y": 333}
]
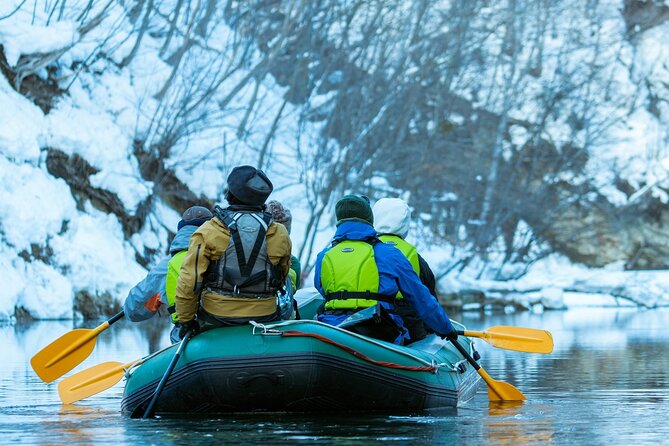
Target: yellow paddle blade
[
  {"x": 530, "y": 340},
  {"x": 63, "y": 354},
  {"x": 91, "y": 381},
  {"x": 500, "y": 390}
]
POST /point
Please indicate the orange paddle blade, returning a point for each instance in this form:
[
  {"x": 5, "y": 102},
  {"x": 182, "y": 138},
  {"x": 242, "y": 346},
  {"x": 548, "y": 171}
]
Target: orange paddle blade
[
  {"x": 68, "y": 351},
  {"x": 500, "y": 390},
  {"x": 63, "y": 354},
  {"x": 530, "y": 340},
  {"x": 91, "y": 381}
]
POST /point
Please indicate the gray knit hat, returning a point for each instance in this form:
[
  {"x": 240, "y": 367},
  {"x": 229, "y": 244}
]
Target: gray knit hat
[
  {"x": 279, "y": 213},
  {"x": 195, "y": 216}
]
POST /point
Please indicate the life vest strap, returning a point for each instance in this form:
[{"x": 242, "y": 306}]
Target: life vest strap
[{"x": 344, "y": 295}]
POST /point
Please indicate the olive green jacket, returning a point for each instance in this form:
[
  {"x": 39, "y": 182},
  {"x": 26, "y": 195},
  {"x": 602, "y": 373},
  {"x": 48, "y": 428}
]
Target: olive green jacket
[{"x": 208, "y": 244}]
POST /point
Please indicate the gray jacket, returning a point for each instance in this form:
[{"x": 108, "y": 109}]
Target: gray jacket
[{"x": 141, "y": 303}]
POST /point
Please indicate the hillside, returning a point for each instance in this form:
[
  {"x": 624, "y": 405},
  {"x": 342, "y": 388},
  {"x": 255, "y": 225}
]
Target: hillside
[{"x": 530, "y": 139}]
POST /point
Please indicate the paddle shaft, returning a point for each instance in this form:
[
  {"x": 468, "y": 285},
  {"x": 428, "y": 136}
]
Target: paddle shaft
[
  {"x": 116, "y": 317},
  {"x": 168, "y": 372},
  {"x": 466, "y": 354}
]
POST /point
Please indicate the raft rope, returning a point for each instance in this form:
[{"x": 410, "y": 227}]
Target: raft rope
[
  {"x": 433, "y": 366},
  {"x": 357, "y": 354},
  {"x": 271, "y": 331}
]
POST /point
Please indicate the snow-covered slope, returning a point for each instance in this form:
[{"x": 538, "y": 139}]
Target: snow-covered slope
[{"x": 56, "y": 244}]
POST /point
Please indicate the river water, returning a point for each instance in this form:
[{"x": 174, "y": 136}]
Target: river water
[{"x": 607, "y": 382}]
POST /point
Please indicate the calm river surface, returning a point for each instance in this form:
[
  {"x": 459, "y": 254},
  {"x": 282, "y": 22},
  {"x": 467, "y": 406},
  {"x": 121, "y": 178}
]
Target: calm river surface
[{"x": 607, "y": 382}]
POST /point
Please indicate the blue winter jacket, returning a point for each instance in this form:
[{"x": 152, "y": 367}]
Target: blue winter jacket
[
  {"x": 395, "y": 274},
  {"x": 136, "y": 305}
]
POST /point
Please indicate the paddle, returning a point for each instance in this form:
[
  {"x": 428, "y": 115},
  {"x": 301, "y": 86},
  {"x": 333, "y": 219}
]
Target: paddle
[
  {"x": 149, "y": 410},
  {"x": 497, "y": 390},
  {"x": 529, "y": 340},
  {"x": 92, "y": 380},
  {"x": 68, "y": 351}
]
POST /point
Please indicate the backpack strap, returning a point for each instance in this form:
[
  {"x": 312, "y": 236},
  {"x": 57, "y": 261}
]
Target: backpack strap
[
  {"x": 226, "y": 217},
  {"x": 230, "y": 220}
]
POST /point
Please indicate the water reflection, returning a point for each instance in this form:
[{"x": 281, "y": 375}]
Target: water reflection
[
  {"x": 606, "y": 382},
  {"x": 504, "y": 408},
  {"x": 507, "y": 424}
]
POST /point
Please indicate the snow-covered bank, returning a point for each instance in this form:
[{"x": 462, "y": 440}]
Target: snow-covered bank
[
  {"x": 556, "y": 283},
  {"x": 106, "y": 110}
]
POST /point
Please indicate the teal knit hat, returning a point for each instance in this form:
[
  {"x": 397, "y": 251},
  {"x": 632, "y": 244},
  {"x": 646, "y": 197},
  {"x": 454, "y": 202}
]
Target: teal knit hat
[{"x": 354, "y": 208}]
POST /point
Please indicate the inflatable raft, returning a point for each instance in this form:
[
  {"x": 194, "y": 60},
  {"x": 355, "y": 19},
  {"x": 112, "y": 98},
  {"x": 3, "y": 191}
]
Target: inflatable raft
[{"x": 301, "y": 366}]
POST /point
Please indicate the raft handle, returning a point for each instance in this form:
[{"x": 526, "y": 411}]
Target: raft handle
[{"x": 265, "y": 331}]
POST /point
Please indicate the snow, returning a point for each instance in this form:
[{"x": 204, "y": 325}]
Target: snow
[
  {"x": 34, "y": 205},
  {"x": 86, "y": 251},
  {"x": 556, "y": 283},
  {"x": 52, "y": 249},
  {"x": 48, "y": 295},
  {"x": 12, "y": 280},
  {"x": 98, "y": 139},
  {"x": 19, "y": 37},
  {"x": 579, "y": 300},
  {"x": 96, "y": 256},
  {"x": 21, "y": 122}
]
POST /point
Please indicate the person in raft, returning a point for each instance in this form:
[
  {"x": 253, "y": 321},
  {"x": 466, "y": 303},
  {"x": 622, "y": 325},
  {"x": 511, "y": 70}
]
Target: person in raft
[
  {"x": 359, "y": 276},
  {"x": 392, "y": 218},
  {"x": 236, "y": 262},
  {"x": 157, "y": 290},
  {"x": 282, "y": 214},
  {"x": 287, "y": 304}
]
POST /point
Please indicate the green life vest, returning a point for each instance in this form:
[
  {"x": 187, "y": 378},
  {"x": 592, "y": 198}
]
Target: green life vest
[
  {"x": 293, "y": 278},
  {"x": 350, "y": 277},
  {"x": 173, "y": 267},
  {"x": 407, "y": 249},
  {"x": 295, "y": 269}
]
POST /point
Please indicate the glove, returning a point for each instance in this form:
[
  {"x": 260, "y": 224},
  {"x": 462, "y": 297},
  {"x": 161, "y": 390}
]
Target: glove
[
  {"x": 191, "y": 325},
  {"x": 451, "y": 335}
]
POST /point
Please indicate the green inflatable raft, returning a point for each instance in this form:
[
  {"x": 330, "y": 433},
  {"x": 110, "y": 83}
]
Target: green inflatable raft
[{"x": 301, "y": 366}]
